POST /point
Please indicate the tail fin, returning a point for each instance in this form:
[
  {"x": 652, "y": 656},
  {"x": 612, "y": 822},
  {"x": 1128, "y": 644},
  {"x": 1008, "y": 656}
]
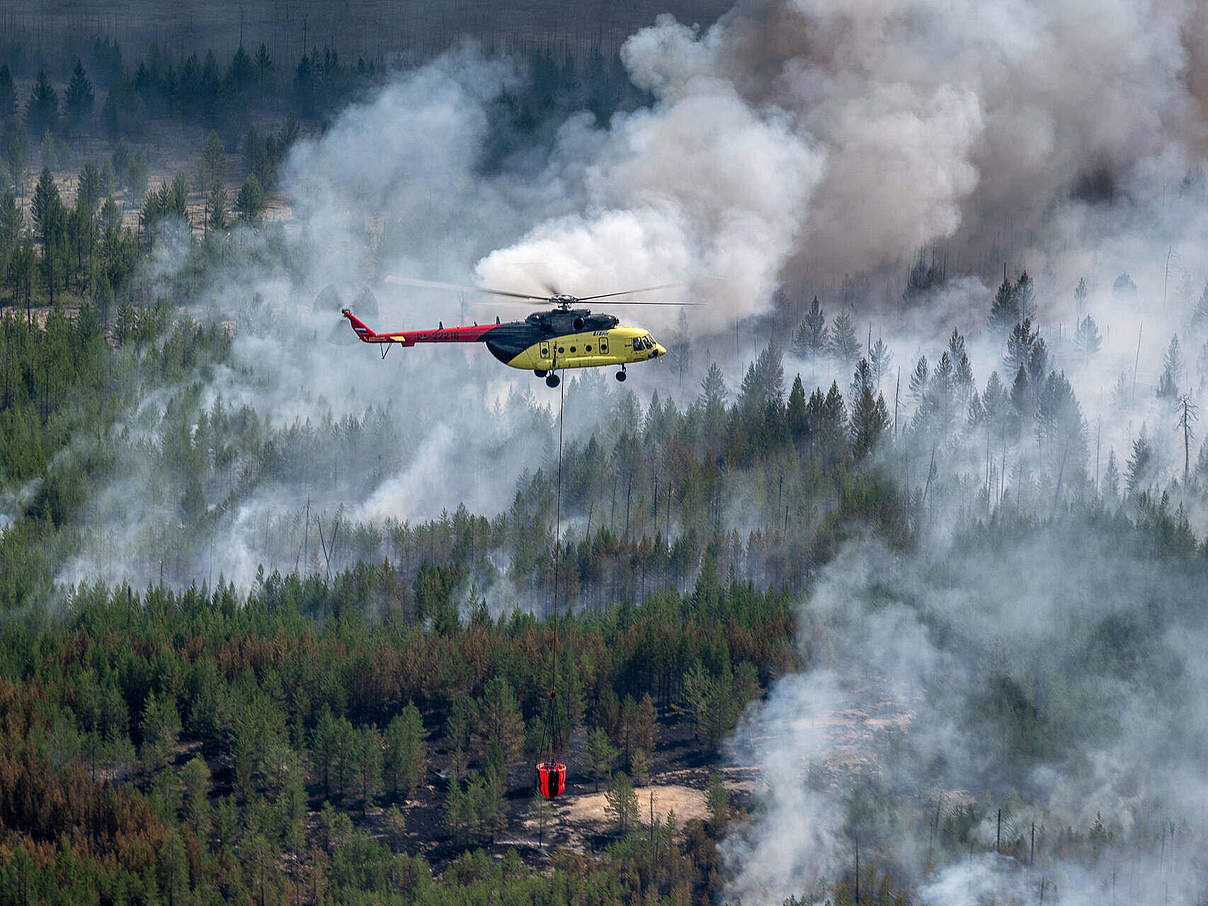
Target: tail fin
[{"x": 364, "y": 333}]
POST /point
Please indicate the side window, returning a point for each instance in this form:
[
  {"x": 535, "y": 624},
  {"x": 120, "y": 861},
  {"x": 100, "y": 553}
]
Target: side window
[
  {"x": 637, "y": 344},
  {"x": 545, "y": 352},
  {"x": 604, "y": 346}
]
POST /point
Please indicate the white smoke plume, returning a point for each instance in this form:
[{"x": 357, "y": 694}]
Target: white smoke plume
[
  {"x": 1054, "y": 677},
  {"x": 805, "y": 141}
]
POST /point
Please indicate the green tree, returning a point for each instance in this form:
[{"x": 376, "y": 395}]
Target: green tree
[
  {"x": 90, "y": 190},
  {"x": 324, "y": 747},
  {"x": 48, "y": 154},
  {"x": 250, "y": 202},
  {"x": 1087, "y": 339},
  {"x": 1025, "y": 297},
  {"x": 457, "y": 812},
  {"x": 717, "y": 802},
  {"x": 869, "y": 419},
  {"x": 8, "y": 97},
  {"x": 367, "y": 764},
  {"x": 77, "y": 102},
  {"x": 406, "y": 751},
  {"x": 1140, "y": 471},
  {"x": 50, "y": 221},
  {"x": 17, "y": 157},
  {"x": 396, "y": 826},
  {"x": 639, "y": 767},
  {"x": 1172, "y": 370},
  {"x": 764, "y": 380},
  {"x": 137, "y": 175},
  {"x": 111, "y": 215},
  {"x": 621, "y": 802},
  {"x": 1004, "y": 310},
  {"x": 45, "y": 200},
  {"x": 599, "y": 754},
  {"x": 196, "y": 784},
  {"x": 42, "y": 108},
  {"x": 499, "y": 720},
  {"x": 843, "y": 343},
  {"x": 811, "y": 339},
  {"x": 881, "y": 360},
  {"x": 160, "y": 729}
]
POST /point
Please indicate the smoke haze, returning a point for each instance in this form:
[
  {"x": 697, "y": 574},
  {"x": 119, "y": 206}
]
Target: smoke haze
[{"x": 792, "y": 148}]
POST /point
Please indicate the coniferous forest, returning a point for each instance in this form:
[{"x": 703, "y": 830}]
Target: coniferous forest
[{"x": 886, "y": 586}]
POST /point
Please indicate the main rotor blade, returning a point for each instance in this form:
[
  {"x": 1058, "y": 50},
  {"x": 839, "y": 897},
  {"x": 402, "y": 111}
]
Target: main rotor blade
[
  {"x": 432, "y": 284},
  {"x": 647, "y": 289},
  {"x": 637, "y": 302}
]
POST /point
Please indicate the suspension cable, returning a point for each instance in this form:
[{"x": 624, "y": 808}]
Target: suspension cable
[{"x": 553, "y": 673}]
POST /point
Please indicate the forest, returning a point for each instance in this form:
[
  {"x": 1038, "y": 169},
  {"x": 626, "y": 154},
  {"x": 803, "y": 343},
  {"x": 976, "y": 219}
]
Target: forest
[{"x": 229, "y": 673}]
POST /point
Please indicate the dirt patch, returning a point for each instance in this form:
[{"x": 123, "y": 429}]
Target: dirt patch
[{"x": 686, "y": 802}]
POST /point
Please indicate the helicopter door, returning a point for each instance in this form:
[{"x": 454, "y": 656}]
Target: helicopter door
[
  {"x": 545, "y": 352},
  {"x": 604, "y": 345}
]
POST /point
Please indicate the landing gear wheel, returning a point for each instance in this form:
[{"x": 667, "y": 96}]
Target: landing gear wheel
[
  {"x": 621, "y": 375},
  {"x": 552, "y": 381},
  {"x": 540, "y": 372}
]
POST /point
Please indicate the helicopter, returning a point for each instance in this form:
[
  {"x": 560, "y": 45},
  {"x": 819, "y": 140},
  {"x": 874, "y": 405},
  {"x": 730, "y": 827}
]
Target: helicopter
[{"x": 545, "y": 342}]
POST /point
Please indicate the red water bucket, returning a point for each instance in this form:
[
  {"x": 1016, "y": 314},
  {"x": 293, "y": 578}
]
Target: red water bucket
[{"x": 551, "y": 779}]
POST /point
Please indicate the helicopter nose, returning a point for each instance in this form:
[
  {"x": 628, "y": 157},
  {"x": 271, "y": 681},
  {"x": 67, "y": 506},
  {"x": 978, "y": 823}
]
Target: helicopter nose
[{"x": 659, "y": 349}]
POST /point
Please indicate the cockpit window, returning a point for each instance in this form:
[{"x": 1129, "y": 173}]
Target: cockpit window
[{"x": 646, "y": 344}]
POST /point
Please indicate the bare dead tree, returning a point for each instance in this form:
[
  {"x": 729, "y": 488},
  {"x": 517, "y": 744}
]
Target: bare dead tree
[{"x": 1188, "y": 413}]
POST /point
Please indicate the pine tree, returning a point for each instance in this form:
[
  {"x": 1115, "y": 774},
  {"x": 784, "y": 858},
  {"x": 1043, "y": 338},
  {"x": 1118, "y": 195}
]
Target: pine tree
[
  {"x": 242, "y": 71},
  {"x": 1087, "y": 339},
  {"x": 137, "y": 175},
  {"x": 1019, "y": 346},
  {"x": 406, "y": 751},
  {"x": 621, "y": 802},
  {"x": 210, "y": 166},
  {"x": 1111, "y": 477},
  {"x": 843, "y": 345},
  {"x": 42, "y": 108},
  {"x": 250, "y": 202},
  {"x": 90, "y": 190},
  {"x": 646, "y": 725},
  {"x": 1022, "y": 399},
  {"x": 881, "y": 359},
  {"x": 861, "y": 380},
  {"x": 599, "y": 754},
  {"x": 1025, "y": 295},
  {"x": 1038, "y": 362},
  {"x": 499, "y": 720},
  {"x": 217, "y": 219},
  {"x": 48, "y": 154},
  {"x": 8, "y": 97},
  {"x": 77, "y": 102},
  {"x": 810, "y": 340},
  {"x": 264, "y": 69},
  {"x": 919, "y": 379},
  {"x": 1172, "y": 371},
  {"x": 367, "y": 764},
  {"x": 764, "y": 380},
  {"x": 1080, "y": 294},
  {"x": 713, "y": 388},
  {"x": 796, "y": 416},
  {"x": 1139, "y": 472},
  {"x": 717, "y": 802},
  {"x": 1004, "y": 311},
  {"x": 1199, "y": 316},
  {"x": 869, "y": 419}
]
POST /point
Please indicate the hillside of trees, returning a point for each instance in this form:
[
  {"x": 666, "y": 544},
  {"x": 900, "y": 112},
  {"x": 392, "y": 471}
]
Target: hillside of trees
[{"x": 357, "y": 718}]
